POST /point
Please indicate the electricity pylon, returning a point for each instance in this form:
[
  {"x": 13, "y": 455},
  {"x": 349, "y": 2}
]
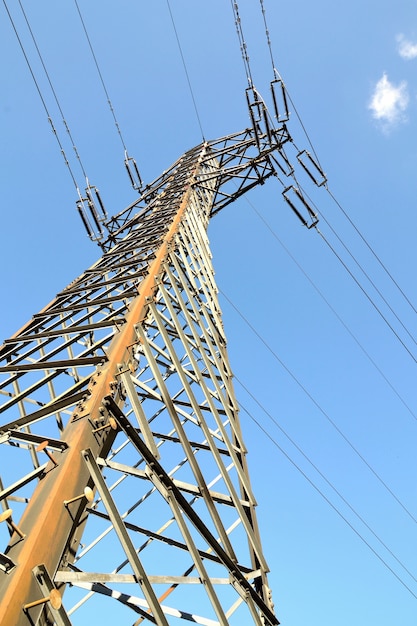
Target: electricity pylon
[{"x": 123, "y": 464}]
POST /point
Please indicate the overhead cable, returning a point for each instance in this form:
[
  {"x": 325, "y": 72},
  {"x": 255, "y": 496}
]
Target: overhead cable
[
  {"x": 186, "y": 71},
  {"x": 322, "y": 296},
  {"x": 338, "y": 204},
  {"x": 366, "y": 294},
  {"x": 319, "y": 407},
  {"x": 41, "y": 97},
  {"x": 242, "y": 42},
  {"x": 330, "y": 503},
  {"x": 53, "y": 90},
  {"x": 320, "y": 473},
  {"x": 100, "y": 76},
  {"x": 130, "y": 163},
  {"x": 374, "y": 254}
]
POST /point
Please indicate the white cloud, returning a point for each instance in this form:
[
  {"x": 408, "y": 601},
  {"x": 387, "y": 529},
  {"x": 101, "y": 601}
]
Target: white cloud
[
  {"x": 406, "y": 48},
  {"x": 389, "y": 102}
]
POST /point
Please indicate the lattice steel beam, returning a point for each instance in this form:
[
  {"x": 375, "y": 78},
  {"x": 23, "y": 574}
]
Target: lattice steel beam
[{"x": 126, "y": 374}]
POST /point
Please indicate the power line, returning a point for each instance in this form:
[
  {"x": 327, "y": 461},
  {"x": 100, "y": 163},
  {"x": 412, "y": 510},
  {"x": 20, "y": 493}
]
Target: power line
[
  {"x": 317, "y": 405},
  {"x": 268, "y": 38},
  {"x": 307, "y": 458},
  {"x": 338, "y": 204},
  {"x": 372, "y": 251},
  {"x": 100, "y": 76},
  {"x": 130, "y": 163},
  {"x": 329, "y": 502},
  {"x": 377, "y": 309},
  {"x": 370, "y": 280},
  {"x": 52, "y": 89},
  {"x": 375, "y": 306},
  {"x": 345, "y": 326},
  {"x": 186, "y": 71},
  {"x": 41, "y": 97},
  {"x": 242, "y": 42}
]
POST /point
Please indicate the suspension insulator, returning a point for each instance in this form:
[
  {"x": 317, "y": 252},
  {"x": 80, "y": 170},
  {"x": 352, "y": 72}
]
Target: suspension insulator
[
  {"x": 100, "y": 202},
  {"x": 279, "y": 99},
  {"x": 257, "y": 113},
  {"x": 281, "y": 161},
  {"x": 93, "y": 210},
  {"x": 312, "y": 168},
  {"x": 91, "y": 193},
  {"x": 80, "y": 209},
  {"x": 300, "y": 205},
  {"x": 133, "y": 173}
]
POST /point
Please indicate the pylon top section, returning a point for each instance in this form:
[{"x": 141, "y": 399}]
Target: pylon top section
[{"x": 246, "y": 158}]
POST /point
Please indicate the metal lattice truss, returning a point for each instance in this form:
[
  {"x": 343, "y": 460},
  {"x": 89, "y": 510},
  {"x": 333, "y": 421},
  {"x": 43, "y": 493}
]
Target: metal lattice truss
[
  {"x": 123, "y": 465},
  {"x": 244, "y": 160}
]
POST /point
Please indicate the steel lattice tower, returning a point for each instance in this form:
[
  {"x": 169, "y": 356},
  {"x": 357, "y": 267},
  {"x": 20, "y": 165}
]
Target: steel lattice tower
[{"x": 125, "y": 464}]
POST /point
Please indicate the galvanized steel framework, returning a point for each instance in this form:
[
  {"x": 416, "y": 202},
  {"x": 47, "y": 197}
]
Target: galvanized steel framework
[{"x": 120, "y": 425}]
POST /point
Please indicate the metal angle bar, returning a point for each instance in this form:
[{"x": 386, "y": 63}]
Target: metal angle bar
[
  {"x": 52, "y": 394},
  {"x": 227, "y": 199},
  {"x": 204, "y": 387},
  {"x": 246, "y": 522},
  {"x": 209, "y": 337},
  {"x": 53, "y": 365},
  {"x": 201, "y": 234},
  {"x": 214, "y": 434},
  {"x": 96, "y": 577},
  {"x": 69, "y": 330},
  {"x": 100, "y": 291},
  {"x": 199, "y": 261},
  {"x": 249, "y": 601},
  {"x": 185, "y": 254},
  {"x": 59, "y": 349},
  {"x": 36, "y": 473},
  {"x": 183, "y": 436},
  {"x": 138, "y": 411},
  {"x": 49, "y": 409},
  {"x": 55, "y": 444},
  {"x": 118, "y": 279},
  {"x": 64, "y": 576},
  {"x": 206, "y": 555},
  {"x": 195, "y": 406},
  {"x": 25, "y": 394},
  {"x": 195, "y": 444},
  {"x": 124, "y": 538},
  {"x": 250, "y": 529},
  {"x": 201, "y": 272},
  {"x": 151, "y": 393},
  {"x": 94, "y": 303},
  {"x": 192, "y": 515},
  {"x": 6, "y": 564},
  {"x": 205, "y": 579},
  {"x": 135, "y": 603},
  {"x": 183, "y": 486},
  {"x": 52, "y": 330},
  {"x": 234, "y": 606},
  {"x": 191, "y": 374},
  {"x": 164, "y": 539}
]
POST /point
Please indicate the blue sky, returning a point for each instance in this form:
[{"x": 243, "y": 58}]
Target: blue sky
[{"x": 350, "y": 70}]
